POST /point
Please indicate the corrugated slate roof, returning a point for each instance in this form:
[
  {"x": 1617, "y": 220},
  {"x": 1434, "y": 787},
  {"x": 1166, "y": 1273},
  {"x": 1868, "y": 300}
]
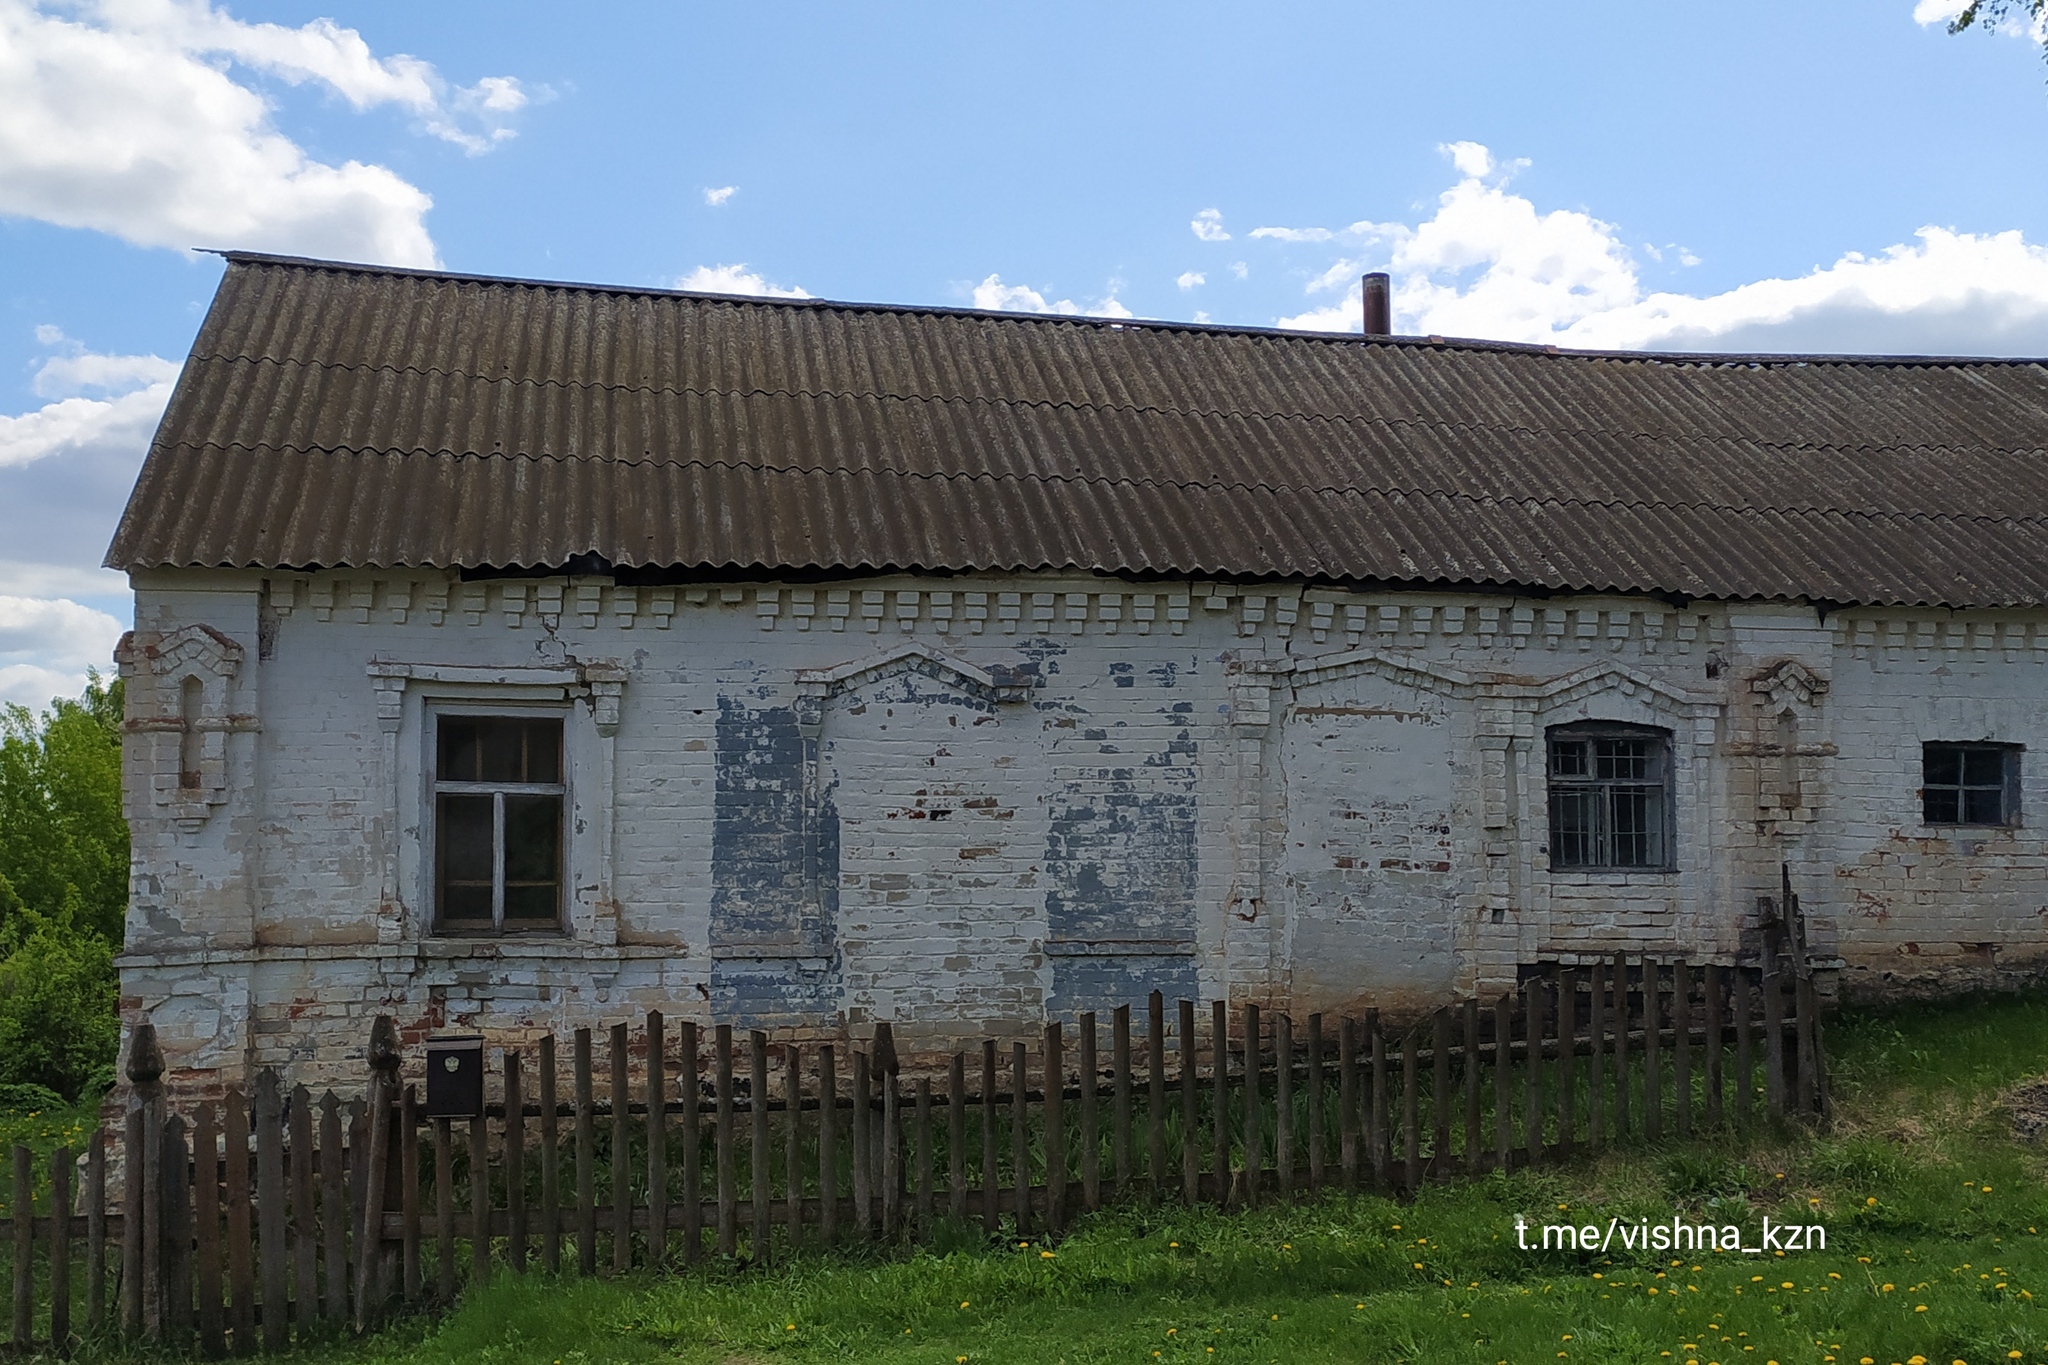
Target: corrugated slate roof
[{"x": 340, "y": 415}]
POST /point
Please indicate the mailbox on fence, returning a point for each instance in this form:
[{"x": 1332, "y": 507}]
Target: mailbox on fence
[{"x": 455, "y": 1078}]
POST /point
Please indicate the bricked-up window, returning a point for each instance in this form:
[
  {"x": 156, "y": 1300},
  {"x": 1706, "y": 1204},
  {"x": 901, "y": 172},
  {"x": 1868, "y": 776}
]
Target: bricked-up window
[
  {"x": 498, "y": 796},
  {"x": 1610, "y": 797},
  {"x": 1970, "y": 784}
]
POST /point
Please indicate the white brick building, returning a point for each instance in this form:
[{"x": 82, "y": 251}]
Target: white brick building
[{"x": 514, "y": 657}]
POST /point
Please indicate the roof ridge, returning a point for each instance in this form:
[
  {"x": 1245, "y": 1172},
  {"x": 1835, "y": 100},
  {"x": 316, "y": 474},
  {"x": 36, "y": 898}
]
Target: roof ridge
[{"x": 1720, "y": 359}]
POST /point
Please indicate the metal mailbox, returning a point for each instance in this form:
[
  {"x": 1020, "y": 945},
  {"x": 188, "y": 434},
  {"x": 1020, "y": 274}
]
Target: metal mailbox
[{"x": 455, "y": 1078}]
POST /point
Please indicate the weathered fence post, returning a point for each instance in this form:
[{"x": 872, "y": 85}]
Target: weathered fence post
[
  {"x": 622, "y": 1151},
  {"x": 270, "y": 1220},
  {"x": 1315, "y": 1102},
  {"x": 141, "y": 1231},
  {"x": 1055, "y": 1131},
  {"x": 956, "y": 1138},
  {"x": 657, "y": 1142},
  {"x": 892, "y": 1129},
  {"x": 383, "y": 1058},
  {"x": 1190, "y": 1112}
]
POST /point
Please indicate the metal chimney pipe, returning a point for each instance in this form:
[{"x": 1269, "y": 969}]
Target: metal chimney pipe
[{"x": 1379, "y": 305}]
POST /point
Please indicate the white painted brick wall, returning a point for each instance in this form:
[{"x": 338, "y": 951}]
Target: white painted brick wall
[{"x": 1314, "y": 799}]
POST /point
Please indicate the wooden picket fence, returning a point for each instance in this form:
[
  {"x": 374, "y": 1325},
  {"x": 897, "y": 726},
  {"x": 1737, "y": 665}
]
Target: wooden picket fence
[{"x": 725, "y": 1146}]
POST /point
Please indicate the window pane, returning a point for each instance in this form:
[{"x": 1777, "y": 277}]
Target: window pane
[
  {"x": 458, "y": 758},
  {"x": 1633, "y": 812},
  {"x": 533, "y": 847},
  {"x": 1941, "y": 763},
  {"x": 543, "y": 751},
  {"x": 1940, "y": 806},
  {"x": 1622, "y": 759},
  {"x": 500, "y": 746},
  {"x": 1983, "y": 807},
  {"x": 463, "y": 831},
  {"x": 1571, "y": 828},
  {"x": 1567, "y": 759},
  {"x": 482, "y": 749},
  {"x": 1984, "y": 767}
]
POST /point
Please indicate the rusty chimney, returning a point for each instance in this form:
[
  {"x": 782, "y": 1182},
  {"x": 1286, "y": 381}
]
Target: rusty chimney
[{"x": 1379, "y": 305}]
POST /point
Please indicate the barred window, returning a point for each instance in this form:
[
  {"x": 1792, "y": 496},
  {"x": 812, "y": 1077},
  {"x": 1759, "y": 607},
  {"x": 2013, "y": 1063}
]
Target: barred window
[
  {"x": 1610, "y": 797},
  {"x": 498, "y": 800},
  {"x": 1970, "y": 784}
]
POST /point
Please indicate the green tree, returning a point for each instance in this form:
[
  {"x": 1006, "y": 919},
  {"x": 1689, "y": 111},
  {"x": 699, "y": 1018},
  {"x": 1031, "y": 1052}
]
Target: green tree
[
  {"x": 63, "y": 887},
  {"x": 1993, "y": 14}
]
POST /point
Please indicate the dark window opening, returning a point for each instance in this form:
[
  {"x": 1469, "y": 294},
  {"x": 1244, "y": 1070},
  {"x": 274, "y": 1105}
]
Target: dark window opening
[
  {"x": 1970, "y": 784},
  {"x": 1610, "y": 797},
  {"x": 498, "y": 801}
]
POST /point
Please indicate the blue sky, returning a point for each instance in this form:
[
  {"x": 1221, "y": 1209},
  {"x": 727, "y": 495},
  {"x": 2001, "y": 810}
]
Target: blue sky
[{"x": 1728, "y": 176}]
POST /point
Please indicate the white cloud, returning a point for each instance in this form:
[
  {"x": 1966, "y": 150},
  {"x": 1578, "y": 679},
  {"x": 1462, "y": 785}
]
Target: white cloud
[
  {"x": 1241, "y": 269},
  {"x": 1188, "y": 279},
  {"x": 1201, "y": 316},
  {"x": 71, "y": 422},
  {"x": 18, "y": 579},
  {"x": 1938, "y": 11},
  {"x": 1488, "y": 263},
  {"x": 718, "y": 196},
  {"x": 1947, "y": 293},
  {"x": 138, "y": 387},
  {"x": 995, "y": 296},
  {"x": 1208, "y": 225},
  {"x": 47, "y": 644},
  {"x": 127, "y": 117},
  {"x": 1283, "y": 234},
  {"x": 736, "y": 279},
  {"x": 65, "y": 470},
  {"x": 65, "y": 376}
]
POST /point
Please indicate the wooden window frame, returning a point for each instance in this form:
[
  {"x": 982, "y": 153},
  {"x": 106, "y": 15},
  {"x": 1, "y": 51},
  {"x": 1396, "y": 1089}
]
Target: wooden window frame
[
  {"x": 1662, "y": 802},
  {"x": 499, "y": 791},
  {"x": 2008, "y": 785}
]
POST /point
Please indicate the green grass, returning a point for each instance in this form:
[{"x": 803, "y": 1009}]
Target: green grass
[
  {"x": 1928, "y": 1203},
  {"x": 42, "y": 1131}
]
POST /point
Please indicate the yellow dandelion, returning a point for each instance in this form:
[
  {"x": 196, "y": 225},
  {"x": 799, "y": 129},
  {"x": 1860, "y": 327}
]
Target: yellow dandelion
[{"x": 963, "y": 1303}]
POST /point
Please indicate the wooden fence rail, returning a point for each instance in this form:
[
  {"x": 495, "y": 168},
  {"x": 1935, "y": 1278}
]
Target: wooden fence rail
[{"x": 266, "y": 1218}]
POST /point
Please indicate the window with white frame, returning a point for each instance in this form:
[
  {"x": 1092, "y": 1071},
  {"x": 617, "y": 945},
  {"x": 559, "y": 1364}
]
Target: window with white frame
[
  {"x": 499, "y": 805},
  {"x": 1610, "y": 797}
]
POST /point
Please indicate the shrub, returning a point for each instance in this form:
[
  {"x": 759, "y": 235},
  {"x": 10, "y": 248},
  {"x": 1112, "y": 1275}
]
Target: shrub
[{"x": 63, "y": 889}]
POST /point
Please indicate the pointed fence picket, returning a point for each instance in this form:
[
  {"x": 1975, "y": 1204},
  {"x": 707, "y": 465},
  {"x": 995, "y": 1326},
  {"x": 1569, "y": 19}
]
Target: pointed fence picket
[{"x": 271, "y": 1218}]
